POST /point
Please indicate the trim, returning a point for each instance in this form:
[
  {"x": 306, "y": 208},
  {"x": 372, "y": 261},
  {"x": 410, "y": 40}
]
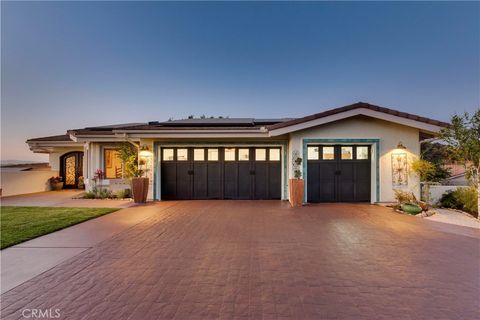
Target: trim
[
  {"x": 374, "y": 142},
  {"x": 351, "y": 113},
  {"x": 157, "y": 145}
]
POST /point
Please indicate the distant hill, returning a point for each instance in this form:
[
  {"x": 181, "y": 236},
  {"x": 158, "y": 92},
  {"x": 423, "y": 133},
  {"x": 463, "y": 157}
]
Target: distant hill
[{"x": 14, "y": 162}]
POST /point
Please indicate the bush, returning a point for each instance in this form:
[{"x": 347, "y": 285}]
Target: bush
[
  {"x": 465, "y": 199},
  {"x": 404, "y": 196},
  {"x": 98, "y": 194},
  {"x": 89, "y": 195},
  {"x": 122, "y": 194}
]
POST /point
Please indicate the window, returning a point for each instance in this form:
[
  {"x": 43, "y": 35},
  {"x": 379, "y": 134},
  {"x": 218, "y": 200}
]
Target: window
[
  {"x": 243, "y": 154},
  {"x": 260, "y": 154},
  {"x": 328, "y": 153},
  {"x": 182, "y": 154},
  {"x": 312, "y": 153},
  {"x": 198, "y": 154},
  {"x": 347, "y": 153},
  {"x": 112, "y": 164},
  {"x": 229, "y": 154},
  {"x": 362, "y": 153},
  {"x": 212, "y": 154},
  {"x": 167, "y": 154},
  {"x": 274, "y": 154}
]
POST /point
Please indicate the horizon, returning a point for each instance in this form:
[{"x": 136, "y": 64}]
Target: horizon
[{"x": 75, "y": 65}]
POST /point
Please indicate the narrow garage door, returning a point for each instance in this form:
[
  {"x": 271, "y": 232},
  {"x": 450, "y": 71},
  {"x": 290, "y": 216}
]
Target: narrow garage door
[
  {"x": 220, "y": 173},
  {"x": 338, "y": 173}
]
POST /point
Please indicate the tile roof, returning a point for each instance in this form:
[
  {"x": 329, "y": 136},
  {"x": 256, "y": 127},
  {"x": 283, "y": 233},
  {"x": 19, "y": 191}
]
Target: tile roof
[{"x": 59, "y": 138}]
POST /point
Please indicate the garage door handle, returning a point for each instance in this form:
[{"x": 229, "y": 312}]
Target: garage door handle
[
  {"x": 252, "y": 172},
  {"x": 338, "y": 172}
]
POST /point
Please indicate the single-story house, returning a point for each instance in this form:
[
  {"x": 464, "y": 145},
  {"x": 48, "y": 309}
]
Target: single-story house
[{"x": 359, "y": 152}]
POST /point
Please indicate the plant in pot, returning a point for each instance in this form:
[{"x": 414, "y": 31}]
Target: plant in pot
[
  {"x": 296, "y": 185},
  {"x": 56, "y": 183},
  {"x": 129, "y": 156}
]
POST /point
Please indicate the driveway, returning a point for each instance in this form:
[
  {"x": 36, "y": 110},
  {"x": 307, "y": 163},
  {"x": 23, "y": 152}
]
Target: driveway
[{"x": 264, "y": 260}]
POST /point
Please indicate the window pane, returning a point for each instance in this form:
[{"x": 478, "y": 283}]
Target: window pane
[
  {"x": 274, "y": 154},
  {"x": 113, "y": 164},
  {"x": 362, "y": 153},
  {"x": 182, "y": 154},
  {"x": 312, "y": 153},
  {"x": 347, "y": 153},
  {"x": 212, "y": 154},
  {"x": 328, "y": 153},
  {"x": 229, "y": 154},
  {"x": 198, "y": 154},
  {"x": 167, "y": 154},
  {"x": 260, "y": 154},
  {"x": 243, "y": 154}
]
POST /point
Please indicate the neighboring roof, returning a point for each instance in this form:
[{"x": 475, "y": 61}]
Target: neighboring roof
[
  {"x": 59, "y": 138},
  {"x": 218, "y": 122},
  {"x": 357, "y": 105}
]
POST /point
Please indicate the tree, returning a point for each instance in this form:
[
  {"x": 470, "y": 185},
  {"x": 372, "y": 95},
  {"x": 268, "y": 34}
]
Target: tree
[
  {"x": 437, "y": 154},
  {"x": 463, "y": 141}
]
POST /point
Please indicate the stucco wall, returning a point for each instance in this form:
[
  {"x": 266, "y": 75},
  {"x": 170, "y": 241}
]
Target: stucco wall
[
  {"x": 362, "y": 127},
  {"x": 14, "y": 182},
  {"x": 54, "y": 157}
]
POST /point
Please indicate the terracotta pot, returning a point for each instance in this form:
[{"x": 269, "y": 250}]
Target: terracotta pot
[
  {"x": 296, "y": 192},
  {"x": 140, "y": 189},
  {"x": 56, "y": 186}
]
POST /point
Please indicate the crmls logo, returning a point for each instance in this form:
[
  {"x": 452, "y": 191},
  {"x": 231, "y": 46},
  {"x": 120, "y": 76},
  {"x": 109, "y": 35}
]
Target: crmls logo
[{"x": 41, "y": 313}]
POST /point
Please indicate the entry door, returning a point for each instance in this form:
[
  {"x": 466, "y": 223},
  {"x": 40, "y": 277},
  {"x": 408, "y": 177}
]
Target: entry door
[
  {"x": 338, "y": 173},
  {"x": 71, "y": 168}
]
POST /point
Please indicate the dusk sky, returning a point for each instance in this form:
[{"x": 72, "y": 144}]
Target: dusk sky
[{"x": 70, "y": 65}]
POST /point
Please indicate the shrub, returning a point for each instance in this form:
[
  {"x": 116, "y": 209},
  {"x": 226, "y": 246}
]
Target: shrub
[
  {"x": 465, "y": 198},
  {"x": 89, "y": 195},
  {"x": 122, "y": 194},
  {"x": 404, "y": 196}
]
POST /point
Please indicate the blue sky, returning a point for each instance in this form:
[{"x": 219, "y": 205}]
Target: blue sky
[{"x": 69, "y": 65}]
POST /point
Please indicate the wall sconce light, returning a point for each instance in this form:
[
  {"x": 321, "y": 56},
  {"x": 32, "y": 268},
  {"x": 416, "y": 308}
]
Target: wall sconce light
[
  {"x": 144, "y": 151},
  {"x": 401, "y": 146}
]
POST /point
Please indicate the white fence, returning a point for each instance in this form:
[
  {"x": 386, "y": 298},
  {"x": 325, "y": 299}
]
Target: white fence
[
  {"x": 436, "y": 192},
  {"x": 14, "y": 182}
]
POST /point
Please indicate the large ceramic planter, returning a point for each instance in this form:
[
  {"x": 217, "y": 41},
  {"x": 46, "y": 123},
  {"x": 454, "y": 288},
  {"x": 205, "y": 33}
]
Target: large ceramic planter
[
  {"x": 56, "y": 186},
  {"x": 296, "y": 192},
  {"x": 140, "y": 189},
  {"x": 411, "y": 208}
]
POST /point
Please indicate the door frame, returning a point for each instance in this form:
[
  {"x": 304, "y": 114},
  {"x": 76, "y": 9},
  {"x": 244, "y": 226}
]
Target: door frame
[
  {"x": 158, "y": 145},
  {"x": 78, "y": 164},
  {"x": 375, "y": 157}
]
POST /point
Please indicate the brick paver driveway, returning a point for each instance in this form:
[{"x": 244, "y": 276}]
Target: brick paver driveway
[{"x": 263, "y": 260}]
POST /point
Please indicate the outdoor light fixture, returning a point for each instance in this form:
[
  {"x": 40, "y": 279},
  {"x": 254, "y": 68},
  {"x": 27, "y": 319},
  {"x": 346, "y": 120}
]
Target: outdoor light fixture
[
  {"x": 401, "y": 146},
  {"x": 144, "y": 151}
]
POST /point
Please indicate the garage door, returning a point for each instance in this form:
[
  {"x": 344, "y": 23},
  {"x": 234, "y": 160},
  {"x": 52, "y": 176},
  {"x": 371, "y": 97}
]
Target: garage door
[
  {"x": 338, "y": 173},
  {"x": 220, "y": 173}
]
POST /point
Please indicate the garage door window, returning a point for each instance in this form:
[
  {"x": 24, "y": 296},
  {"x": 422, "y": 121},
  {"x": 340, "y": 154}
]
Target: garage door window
[
  {"x": 312, "y": 153},
  {"x": 167, "y": 154},
  {"x": 198, "y": 155},
  {"x": 362, "y": 153},
  {"x": 212, "y": 154},
  {"x": 243, "y": 154},
  {"x": 347, "y": 153},
  {"x": 274, "y": 155},
  {"x": 260, "y": 155},
  {"x": 182, "y": 154},
  {"x": 328, "y": 153},
  {"x": 229, "y": 154}
]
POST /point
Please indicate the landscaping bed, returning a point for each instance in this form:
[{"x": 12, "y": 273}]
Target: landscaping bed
[{"x": 19, "y": 224}]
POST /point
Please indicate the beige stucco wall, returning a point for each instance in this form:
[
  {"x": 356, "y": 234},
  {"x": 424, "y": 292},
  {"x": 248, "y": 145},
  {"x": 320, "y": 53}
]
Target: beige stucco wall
[
  {"x": 362, "y": 127},
  {"x": 14, "y": 182},
  {"x": 54, "y": 157}
]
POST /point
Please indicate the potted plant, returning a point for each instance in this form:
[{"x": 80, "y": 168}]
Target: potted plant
[
  {"x": 297, "y": 184},
  {"x": 129, "y": 156},
  {"x": 56, "y": 183},
  {"x": 81, "y": 182}
]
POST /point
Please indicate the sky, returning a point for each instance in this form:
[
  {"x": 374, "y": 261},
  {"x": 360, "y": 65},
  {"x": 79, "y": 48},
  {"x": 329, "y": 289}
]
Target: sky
[{"x": 68, "y": 65}]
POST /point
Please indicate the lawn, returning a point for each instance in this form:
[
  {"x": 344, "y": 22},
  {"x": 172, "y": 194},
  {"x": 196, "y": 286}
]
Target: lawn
[{"x": 19, "y": 224}]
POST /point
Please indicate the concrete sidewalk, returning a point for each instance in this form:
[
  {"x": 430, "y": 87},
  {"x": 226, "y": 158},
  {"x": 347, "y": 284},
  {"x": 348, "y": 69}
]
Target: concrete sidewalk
[{"x": 31, "y": 258}]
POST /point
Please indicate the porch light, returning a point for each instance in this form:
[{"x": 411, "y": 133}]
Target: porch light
[
  {"x": 144, "y": 151},
  {"x": 401, "y": 146}
]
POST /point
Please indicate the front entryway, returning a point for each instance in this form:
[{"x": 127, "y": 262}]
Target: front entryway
[
  {"x": 71, "y": 169},
  {"x": 221, "y": 173},
  {"x": 338, "y": 173}
]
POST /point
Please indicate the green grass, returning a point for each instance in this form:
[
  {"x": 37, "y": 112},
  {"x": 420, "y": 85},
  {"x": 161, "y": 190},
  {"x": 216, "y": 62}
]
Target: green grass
[{"x": 19, "y": 224}]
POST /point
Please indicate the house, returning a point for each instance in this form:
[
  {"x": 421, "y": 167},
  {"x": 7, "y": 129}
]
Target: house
[{"x": 360, "y": 152}]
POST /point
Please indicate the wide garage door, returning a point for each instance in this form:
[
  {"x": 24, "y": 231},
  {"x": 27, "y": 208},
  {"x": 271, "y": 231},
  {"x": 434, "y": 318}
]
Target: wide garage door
[
  {"x": 338, "y": 173},
  {"x": 220, "y": 173}
]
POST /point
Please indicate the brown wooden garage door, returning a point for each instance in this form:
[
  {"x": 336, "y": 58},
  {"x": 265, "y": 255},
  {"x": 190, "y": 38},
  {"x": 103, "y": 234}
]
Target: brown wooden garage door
[{"x": 220, "y": 173}]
